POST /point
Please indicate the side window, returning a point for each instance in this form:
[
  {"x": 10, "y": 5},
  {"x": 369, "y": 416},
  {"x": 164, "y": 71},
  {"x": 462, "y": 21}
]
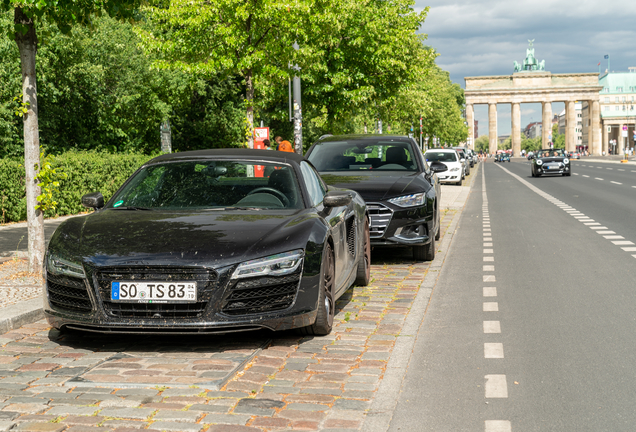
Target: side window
[{"x": 315, "y": 186}]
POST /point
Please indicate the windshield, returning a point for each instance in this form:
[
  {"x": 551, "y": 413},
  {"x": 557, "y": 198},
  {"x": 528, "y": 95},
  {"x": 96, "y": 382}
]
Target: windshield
[
  {"x": 433, "y": 156},
  {"x": 550, "y": 153},
  {"x": 210, "y": 185},
  {"x": 351, "y": 156}
]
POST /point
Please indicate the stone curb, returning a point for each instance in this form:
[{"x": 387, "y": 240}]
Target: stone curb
[
  {"x": 378, "y": 418},
  {"x": 19, "y": 314}
]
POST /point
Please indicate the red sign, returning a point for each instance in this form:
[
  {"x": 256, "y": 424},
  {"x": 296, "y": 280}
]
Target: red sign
[{"x": 260, "y": 135}]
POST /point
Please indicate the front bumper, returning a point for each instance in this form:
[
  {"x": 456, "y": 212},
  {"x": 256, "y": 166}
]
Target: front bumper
[
  {"x": 400, "y": 227},
  {"x": 274, "y": 303},
  {"x": 553, "y": 169},
  {"x": 449, "y": 178}
]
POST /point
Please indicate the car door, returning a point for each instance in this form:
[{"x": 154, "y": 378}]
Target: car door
[{"x": 341, "y": 221}]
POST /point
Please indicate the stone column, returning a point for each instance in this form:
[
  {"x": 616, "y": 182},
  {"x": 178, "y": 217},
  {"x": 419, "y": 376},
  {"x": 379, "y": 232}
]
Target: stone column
[
  {"x": 570, "y": 125},
  {"x": 546, "y": 124},
  {"x": 516, "y": 129},
  {"x": 605, "y": 140},
  {"x": 492, "y": 127},
  {"x": 593, "y": 131},
  {"x": 470, "y": 119}
]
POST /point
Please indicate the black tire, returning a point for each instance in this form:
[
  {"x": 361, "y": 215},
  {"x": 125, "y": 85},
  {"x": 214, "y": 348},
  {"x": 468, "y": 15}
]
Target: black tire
[
  {"x": 326, "y": 303},
  {"x": 438, "y": 233},
  {"x": 363, "y": 275},
  {"x": 568, "y": 174},
  {"x": 426, "y": 252},
  {"x": 459, "y": 183}
]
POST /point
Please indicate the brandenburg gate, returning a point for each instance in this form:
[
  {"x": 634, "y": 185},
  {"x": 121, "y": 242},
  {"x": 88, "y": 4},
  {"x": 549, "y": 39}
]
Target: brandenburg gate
[{"x": 531, "y": 83}]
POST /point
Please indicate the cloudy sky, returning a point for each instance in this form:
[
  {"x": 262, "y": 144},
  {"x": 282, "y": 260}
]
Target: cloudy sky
[{"x": 485, "y": 37}]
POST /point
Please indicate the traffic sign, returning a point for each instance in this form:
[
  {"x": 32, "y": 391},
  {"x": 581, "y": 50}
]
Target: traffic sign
[{"x": 624, "y": 127}]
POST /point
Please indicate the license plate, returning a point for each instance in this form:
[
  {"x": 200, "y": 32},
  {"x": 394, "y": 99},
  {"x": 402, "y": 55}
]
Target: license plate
[{"x": 153, "y": 292}]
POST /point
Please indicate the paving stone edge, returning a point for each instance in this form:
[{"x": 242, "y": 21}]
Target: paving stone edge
[
  {"x": 378, "y": 418},
  {"x": 19, "y": 314}
]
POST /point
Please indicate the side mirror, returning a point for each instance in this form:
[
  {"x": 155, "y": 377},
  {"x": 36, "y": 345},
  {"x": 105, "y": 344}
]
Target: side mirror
[
  {"x": 337, "y": 199},
  {"x": 94, "y": 200},
  {"x": 438, "y": 167}
]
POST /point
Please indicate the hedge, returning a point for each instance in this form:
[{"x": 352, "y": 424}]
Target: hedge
[{"x": 87, "y": 172}]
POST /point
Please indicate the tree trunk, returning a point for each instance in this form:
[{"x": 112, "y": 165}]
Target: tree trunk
[
  {"x": 27, "y": 45},
  {"x": 249, "y": 96}
]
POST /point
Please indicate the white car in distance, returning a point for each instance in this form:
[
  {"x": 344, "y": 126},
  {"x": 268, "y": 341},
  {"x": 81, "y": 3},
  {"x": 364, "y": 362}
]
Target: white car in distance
[{"x": 450, "y": 158}]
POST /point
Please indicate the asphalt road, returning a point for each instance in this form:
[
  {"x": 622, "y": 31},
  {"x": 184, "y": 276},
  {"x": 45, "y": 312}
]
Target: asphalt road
[{"x": 531, "y": 326}]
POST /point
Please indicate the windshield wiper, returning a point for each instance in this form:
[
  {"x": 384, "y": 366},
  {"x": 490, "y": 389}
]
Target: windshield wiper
[{"x": 131, "y": 208}]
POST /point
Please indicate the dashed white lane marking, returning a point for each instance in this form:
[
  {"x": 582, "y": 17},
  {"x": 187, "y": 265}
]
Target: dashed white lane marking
[
  {"x": 489, "y": 258},
  {"x": 575, "y": 173},
  {"x": 634, "y": 186},
  {"x": 490, "y": 291},
  {"x": 489, "y": 268},
  {"x": 491, "y": 307},
  {"x": 599, "y": 167},
  {"x": 609, "y": 168},
  {"x": 586, "y": 220},
  {"x": 622, "y": 242},
  {"x": 598, "y": 227},
  {"x": 605, "y": 232},
  {"x": 614, "y": 237},
  {"x": 497, "y": 426},
  {"x": 586, "y": 176},
  {"x": 489, "y": 278},
  {"x": 590, "y": 224},
  {"x": 596, "y": 178},
  {"x": 615, "y": 182},
  {"x": 492, "y": 327},
  {"x": 487, "y": 244},
  {"x": 488, "y": 251},
  {"x": 493, "y": 350},
  {"x": 621, "y": 169},
  {"x": 629, "y": 249},
  {"x": 496, "y": 386}
]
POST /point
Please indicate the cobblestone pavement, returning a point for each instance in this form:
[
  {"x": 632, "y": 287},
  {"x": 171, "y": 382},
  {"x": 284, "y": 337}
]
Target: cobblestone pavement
[{"x": 52, "y": 382}]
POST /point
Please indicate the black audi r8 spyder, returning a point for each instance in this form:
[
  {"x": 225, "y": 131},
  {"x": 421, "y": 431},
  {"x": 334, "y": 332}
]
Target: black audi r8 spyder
[
  {"x": 210, "y": 241},
  {"x": 401, "y": 190},
  {"x": 550, "y": 161}
]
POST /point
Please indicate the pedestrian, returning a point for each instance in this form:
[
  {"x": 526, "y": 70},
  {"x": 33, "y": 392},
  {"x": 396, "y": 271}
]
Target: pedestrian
[
  {"x": 278, "y": 140},
  {"x": 285, "y": 146},
  {"x": 266, "y": 145}
]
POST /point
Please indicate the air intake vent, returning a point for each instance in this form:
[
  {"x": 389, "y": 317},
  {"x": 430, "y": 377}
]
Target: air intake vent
[{"x": 380, "y": 219}]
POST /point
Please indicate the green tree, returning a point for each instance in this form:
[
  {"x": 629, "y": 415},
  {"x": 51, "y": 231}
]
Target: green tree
[
  {"x": 482, "y": 143},
  {"x": 27, "y": 14}
]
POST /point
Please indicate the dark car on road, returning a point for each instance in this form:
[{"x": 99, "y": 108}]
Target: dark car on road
[
  {"x": 502, "y": 157},
  {"x": 401, "y": 190},
  {"x": 550, "y": 161},
  {"x": 210, "y": 241}
]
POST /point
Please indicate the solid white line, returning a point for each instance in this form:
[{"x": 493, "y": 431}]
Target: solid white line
[
  {"x": 489, "y": 268},
  {"x": 491, "y": 307},
  {"x": 490, "y": 291},
  {"x": 492, "y": 327},
  {"x": 614, "y": 237},
  {"x": 596, "y": 178},
  {"x": 489, "y": 278},
  {"x": 497, "y": 426},
  {"x": 489, "y": 259},
  {"x": 622, "y": 242},
  {"x": 493, "y": 350},
  {"x": 616, "y": 182},
  {"x": 496, "y": 386}
]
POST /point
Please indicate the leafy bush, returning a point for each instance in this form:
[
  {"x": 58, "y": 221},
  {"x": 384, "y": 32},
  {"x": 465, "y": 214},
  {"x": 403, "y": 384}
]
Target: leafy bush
[{"x": 86, "y": 172}]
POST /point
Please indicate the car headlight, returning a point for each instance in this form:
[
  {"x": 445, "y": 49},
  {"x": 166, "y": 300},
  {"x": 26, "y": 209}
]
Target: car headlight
[
  {"x": 566, "y": 161},
  {"x": 273, "y": 265},
  {"x": 409, "y": 200},
  {"x": 454, "y": 169},
  {"x": 60, "y": 266},
  {"x": 539, "y": 162}
]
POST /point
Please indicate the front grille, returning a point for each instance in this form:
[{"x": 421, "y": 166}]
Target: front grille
[
  {"x": 68, "y": 293},
  {"x": 380, "y": 219},
  {"x": 206, "y": 281},
  {"x": 351, "y": 235},
  {"x": 258, "y": 295}
]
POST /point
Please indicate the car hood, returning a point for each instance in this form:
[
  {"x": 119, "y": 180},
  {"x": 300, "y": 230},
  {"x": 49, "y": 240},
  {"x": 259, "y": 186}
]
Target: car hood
[
  {"x": 376, "y": 186},
  {"x": 212, "y": 239}
]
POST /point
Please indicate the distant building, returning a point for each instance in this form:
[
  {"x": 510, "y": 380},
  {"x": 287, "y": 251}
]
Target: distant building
[
  {"x": 578, "y": 128},
  {"x": 533, "y": 130},
  {"x": 618, "y": 109}
]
